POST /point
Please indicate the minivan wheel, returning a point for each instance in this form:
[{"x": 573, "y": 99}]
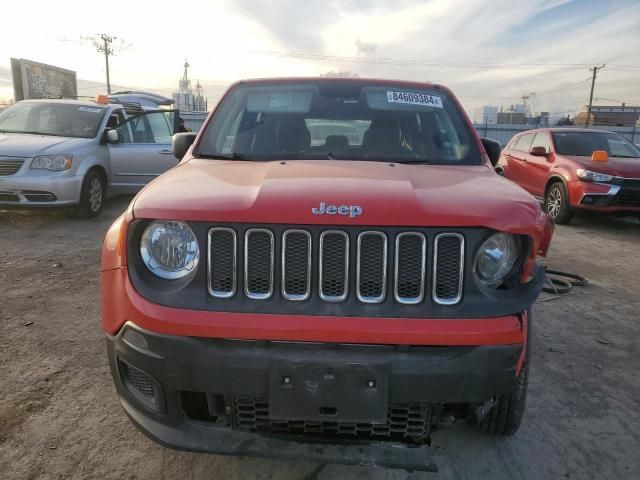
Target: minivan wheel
[
  {"x": 556, "y": 203},
  {"x": 91, "y": 196}
]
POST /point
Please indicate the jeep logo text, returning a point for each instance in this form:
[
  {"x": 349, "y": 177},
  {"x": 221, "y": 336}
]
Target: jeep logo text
[{"x": 352, "y": 210}]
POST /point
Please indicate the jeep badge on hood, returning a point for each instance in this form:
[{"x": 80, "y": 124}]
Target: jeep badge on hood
[{"x": 352, "y": 210}]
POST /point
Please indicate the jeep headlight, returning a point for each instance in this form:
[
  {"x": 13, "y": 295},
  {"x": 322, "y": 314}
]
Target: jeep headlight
[
  {"x": 589, "y": 176},
  {"x": 54, "y": 163},
  {"x": 496, "y": 258},
  {"x": 169, "y": 249}
]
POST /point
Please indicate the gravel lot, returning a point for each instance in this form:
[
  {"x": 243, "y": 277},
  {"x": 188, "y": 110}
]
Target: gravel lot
[{"x": 60, "y": 418}]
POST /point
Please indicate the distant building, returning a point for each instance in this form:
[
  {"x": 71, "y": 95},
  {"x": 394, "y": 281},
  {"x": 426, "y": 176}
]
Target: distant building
[
  {"x": 185, "y": 99},
  {"x": 512, "y": 118},
  {"x": 489, "y": 115},
  {"x": 615, "y": 116}
]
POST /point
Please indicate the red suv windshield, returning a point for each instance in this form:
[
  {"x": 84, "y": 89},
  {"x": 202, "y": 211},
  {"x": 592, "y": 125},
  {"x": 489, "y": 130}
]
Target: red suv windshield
[
  {"x": 340, "y": 121},
  {"x": 583, "y": 144}
]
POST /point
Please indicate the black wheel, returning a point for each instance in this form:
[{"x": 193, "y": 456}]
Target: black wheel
[
  {"x": 91, "y": 196},
  {"x": 505, "y": 416},
  {"x": 556, "y": 203}
]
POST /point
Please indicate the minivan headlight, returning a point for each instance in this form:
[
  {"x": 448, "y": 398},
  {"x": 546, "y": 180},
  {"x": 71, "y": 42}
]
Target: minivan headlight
[
  {"x": 54, "y": 163},
  {"x": 169, "y": 249},
  {"x": 495, "y": 258}
]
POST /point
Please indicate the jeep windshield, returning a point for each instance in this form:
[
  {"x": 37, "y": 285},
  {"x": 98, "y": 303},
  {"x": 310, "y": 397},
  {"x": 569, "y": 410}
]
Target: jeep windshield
[
  {"x": 339, "y": 120},
  {"x": 583, "y": 144},
  {"x": 57, "y": 119}
]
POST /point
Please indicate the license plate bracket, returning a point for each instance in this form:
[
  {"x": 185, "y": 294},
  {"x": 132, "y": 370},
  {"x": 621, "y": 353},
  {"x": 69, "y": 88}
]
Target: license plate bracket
[{"x": 328, "y": 392}]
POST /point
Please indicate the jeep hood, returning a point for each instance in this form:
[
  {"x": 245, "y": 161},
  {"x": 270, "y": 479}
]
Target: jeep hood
[
  {"x": 286, "y": 192},
  {"x": 28, "y": 145}
]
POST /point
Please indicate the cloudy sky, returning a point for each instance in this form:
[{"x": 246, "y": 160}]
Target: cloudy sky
[{"x": 487, "y": 51}]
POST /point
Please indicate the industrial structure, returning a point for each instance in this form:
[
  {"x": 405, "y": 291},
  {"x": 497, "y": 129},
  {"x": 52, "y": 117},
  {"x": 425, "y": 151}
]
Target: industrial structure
[{"x": 185, "y": 99}]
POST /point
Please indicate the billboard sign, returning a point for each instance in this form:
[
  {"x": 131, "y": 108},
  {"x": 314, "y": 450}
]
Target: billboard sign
[{"x": 37, "y": 80}]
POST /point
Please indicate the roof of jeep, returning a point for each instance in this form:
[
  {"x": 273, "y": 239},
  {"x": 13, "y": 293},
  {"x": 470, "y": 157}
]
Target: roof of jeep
[
  {"x": 567, "y": 129},
  {"x": 358, "y": 80}
]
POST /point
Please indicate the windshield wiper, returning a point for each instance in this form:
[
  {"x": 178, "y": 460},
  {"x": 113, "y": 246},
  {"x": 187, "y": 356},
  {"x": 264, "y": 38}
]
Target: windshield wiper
[
  {"x": 231, "y": 156},
  {"x": 330, "y": 156}
]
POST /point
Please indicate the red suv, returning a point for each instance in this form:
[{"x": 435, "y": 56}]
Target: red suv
[
  {"x": 333, "y": 269},
  {"x": 571, "y": 169}
]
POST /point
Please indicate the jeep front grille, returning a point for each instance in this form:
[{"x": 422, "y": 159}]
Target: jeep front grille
[
  {"x": 335, "y": 265},
  {"x": 9, "y": 166}
]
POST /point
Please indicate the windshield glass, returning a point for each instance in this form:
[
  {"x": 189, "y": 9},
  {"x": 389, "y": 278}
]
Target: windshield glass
[
  {"x": 340, "y": 120},
  {"x": 51, "y": 118},
  {"x": 583, "y": 144}
]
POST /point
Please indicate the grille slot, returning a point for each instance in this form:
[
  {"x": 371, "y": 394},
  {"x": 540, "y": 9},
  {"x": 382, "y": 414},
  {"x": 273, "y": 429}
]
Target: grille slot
[
  {"x": 411, "y": 251},
  {"x": 296, "y": 265},
  {"x": 334, "y": 265},
  {"x": 222, "y": 261},
  {"x": 9, "y": 166},
  {"x": 258, "y": 263},
  {"x": 404, "y": 422},
  {"x": 448, "y": 268},
  {"x": 628, "y": 195},
  {"x": 371, "y": 269},
  {"x": 9, "y": 197}
]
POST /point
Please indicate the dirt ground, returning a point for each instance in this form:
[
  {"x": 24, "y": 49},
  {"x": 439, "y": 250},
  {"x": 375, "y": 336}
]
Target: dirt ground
[{"x": 60, "y": 418}]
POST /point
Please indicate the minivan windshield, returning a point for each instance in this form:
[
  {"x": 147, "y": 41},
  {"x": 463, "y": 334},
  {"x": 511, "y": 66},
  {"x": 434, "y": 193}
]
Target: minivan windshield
[
  {"x": 583, "y": 144},
  {"x": 339, "y": 120},
  {"x": 52, "y": 118}
]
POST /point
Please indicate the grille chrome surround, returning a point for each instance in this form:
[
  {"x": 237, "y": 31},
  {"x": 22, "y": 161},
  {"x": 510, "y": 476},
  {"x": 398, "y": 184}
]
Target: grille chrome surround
[
  {"x": 410, "y": 300},
  {"x": 322, "y": 270},
  {"x": 258, "y": 294},
  {"x": 359, "y": 267},
  {"x": 447, "y": 299},
  {"x": 295, "y": 297},
  {"x": 343, "y": 259},
  {"x": 229, "y": 292}
]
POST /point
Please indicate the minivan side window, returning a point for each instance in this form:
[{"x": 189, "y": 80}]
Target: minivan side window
[
  {"x": 541, "y": 140},
  {"x": 524, "y": 143}
]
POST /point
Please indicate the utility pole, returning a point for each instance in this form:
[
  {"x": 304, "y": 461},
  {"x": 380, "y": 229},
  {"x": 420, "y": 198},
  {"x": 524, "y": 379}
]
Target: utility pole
[
  {"x": 107, "y": 45},
  {"x": 595, "y": 71}
]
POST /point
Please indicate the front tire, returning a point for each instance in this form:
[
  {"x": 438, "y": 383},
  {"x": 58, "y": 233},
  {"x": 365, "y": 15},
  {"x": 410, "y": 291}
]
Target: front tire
[
  {"x": 91, "y": 196},
  {"x": 556, "y": 203},
  {"x": 505, "y": 416}
]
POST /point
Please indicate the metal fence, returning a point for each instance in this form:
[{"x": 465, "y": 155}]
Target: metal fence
[{"x": 504, "y": 132}]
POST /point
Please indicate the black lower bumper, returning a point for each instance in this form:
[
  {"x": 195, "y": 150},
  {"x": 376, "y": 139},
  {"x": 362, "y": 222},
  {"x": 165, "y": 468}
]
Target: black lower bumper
[{"x": 272, "y": 398}]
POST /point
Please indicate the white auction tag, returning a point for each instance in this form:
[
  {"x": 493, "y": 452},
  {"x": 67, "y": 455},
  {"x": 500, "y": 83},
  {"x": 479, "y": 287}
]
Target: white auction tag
[{"x": 414, "y": 99}]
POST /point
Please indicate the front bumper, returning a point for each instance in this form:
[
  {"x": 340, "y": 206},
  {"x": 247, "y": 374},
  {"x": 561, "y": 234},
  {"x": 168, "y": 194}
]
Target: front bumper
[
  {"x": 40, "y": 189},
  {"x": 619, "y": 197},
  {"x": 221, "y": 374}
]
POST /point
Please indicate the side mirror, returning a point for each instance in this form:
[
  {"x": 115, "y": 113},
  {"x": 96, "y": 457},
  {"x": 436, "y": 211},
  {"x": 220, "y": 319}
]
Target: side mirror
[
  {"x": 111, "y": 136},
  {"x": 538, "y": 151},
  {"x": 493, "y": 149},
  {"x": 181, "y": 143}
]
